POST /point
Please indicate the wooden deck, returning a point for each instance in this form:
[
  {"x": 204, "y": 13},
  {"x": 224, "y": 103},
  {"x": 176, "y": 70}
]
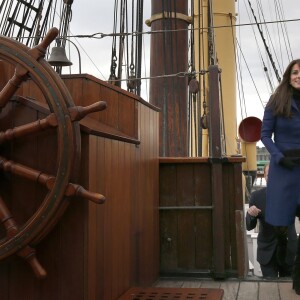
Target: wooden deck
[{"x": 252, "y": 289}]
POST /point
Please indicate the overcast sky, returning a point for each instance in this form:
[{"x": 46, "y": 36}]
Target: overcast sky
[
  {"x": 254, "y": 89},
  {"x": 283, "y": 47}
]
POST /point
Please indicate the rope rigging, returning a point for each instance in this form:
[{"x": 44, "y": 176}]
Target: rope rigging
[
  {"x": 139, "y": 45},
  {"x": 194, "y": 99},
  {"x": 123, "y": 28},
  {"x": 113, "y": 65},
  {"x": 32, "y": 16},
  {"x": 101, "y": 35},
  {"x": 21, "y": 20},
  {"x": 131, "y": 49},
  {"x": 277, "y": 34},
  {"x": 131, "y": 69},
  {"x": 66, "y": 17},
  {"x": 282, "y": 31},
  {"x": 211, "y": 36},
  {"x": 266, "y": 70},
  {"x": 265, "y": 44},
  {"x": 280, "y": 34},
  {"x": 203, "y": 119}
]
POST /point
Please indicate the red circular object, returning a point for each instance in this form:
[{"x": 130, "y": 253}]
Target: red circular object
[{"x": 249, "y": 129}]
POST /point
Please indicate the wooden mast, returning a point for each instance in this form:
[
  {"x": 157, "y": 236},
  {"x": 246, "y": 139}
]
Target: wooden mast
[{"x": 169, "y": 55}]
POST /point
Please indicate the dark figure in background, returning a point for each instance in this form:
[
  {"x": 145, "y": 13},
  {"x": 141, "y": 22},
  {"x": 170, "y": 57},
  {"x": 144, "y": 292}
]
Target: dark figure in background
[
  {"x": 280, "y": 134},
  {"x": 275, "y": 259}
]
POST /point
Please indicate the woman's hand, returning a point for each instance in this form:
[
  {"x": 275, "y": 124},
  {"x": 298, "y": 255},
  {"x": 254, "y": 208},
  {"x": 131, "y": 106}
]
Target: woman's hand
[{"x": 253, "y": 211}]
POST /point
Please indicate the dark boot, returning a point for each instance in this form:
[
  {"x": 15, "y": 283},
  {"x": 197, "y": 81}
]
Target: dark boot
[{"x": 296, "y": 270}]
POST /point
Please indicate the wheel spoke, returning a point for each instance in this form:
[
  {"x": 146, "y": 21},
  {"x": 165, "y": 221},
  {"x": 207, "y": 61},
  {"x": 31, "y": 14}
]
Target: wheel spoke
[
  {"x": 28, "y": 253},
  {"x": 7, "y": 220},
  {"x": 20, "y": 74},
  {"x": 77, "y": 113},
  {"x": 12, "y": 85},
  {"x": 28, "y": 129},
  {"x": 47, "y": 180}
]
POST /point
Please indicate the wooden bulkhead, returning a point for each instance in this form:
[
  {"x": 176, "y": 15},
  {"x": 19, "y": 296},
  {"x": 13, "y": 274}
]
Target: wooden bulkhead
[{"x": 94, "y": 251}]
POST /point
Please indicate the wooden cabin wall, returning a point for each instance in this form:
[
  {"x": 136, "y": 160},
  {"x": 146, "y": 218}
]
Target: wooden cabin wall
[
  {"x": 88, "y": 90},
  {"x": 98, "y": 251},
  {"x": 123, "y": 243},
  {"x": 186, "y": 217}
]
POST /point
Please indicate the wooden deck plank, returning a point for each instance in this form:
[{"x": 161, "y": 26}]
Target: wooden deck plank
[
  {"x": 269, "y": 291},
  {"x": 236, "y": 289},
  {"x": 230, "y": 289},
  {"x": 191, "y": 284},
  {"x": 248, "y": 291},
  {"x": 169, "y": 283},
  {"x": 286, "y": 292},
  {"x": 210, "y": 284}
]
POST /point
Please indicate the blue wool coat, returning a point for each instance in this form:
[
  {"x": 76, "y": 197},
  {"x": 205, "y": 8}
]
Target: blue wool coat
[{"x": 283, "y": 189}]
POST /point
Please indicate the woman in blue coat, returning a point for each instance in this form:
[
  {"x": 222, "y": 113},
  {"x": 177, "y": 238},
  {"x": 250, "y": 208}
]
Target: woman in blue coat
[{"x": 280, "y": 134}]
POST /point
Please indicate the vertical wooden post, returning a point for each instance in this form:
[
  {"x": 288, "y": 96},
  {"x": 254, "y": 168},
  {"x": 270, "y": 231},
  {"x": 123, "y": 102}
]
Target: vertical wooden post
[
  {"x": 241, "y": 242},
  {"x": 215, "y": 147},
  {"x": 169, "y": 56}
]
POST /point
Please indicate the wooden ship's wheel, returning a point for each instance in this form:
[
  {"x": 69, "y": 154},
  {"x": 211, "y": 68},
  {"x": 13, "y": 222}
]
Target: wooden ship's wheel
[{"x": 29, "y": 64}]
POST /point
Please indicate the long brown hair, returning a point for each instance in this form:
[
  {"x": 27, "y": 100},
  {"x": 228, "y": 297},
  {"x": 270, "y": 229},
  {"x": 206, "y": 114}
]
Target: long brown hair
[{"x": 281, "y": 99}]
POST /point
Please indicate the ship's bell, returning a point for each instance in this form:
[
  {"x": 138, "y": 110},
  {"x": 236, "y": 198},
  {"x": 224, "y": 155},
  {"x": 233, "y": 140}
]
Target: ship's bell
[{"x": 58, "y": 57}]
